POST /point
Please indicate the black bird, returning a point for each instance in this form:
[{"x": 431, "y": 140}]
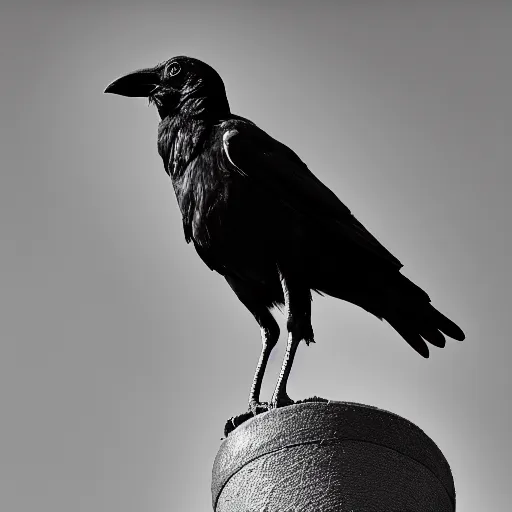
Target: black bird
[{"x": 258, "y": 216}]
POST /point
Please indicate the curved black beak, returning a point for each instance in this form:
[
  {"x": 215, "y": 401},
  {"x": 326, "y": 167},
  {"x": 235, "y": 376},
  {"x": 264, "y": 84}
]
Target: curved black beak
[{"x": 137, "y": 84}]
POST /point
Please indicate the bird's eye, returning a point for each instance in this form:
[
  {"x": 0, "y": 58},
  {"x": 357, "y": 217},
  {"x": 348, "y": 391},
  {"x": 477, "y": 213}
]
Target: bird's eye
[{"x": 174, "y": 69}]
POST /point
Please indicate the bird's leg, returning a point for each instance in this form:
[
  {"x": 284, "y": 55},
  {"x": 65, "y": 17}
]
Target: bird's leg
[
  {"x": 280, "y": 397},
  {"x": 298, "y": 301},
  {"x": 269, "y": 337},
  {"x": 250, "y": 296}
]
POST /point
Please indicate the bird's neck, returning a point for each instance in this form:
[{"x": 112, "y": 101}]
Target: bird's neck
[
  {"x": 206, "y": 108},
  {"x": 179, "y": 140},
  {"x": 196, "y": 106}
]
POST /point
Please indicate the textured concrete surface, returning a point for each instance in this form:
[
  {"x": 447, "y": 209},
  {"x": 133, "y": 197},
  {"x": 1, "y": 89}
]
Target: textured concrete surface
[{"x": 333, "y": 456}]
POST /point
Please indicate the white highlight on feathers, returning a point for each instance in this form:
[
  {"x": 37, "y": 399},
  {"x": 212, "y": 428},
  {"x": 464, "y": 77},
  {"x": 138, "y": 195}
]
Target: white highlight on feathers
[{"x": 225, "y": 144}]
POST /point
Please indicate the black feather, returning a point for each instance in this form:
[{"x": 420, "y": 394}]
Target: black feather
[
  {"x": 448, "y": 327},
  {"x": 434, "y": 337},
  {"x": 411, "y": 337}
]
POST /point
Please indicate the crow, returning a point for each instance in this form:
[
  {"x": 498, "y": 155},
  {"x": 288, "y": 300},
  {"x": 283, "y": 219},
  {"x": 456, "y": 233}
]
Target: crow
[{"x": 259, "y": 217}]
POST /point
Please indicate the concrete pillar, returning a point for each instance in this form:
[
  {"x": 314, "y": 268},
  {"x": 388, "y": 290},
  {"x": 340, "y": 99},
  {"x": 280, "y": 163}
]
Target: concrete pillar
[{"x": 330, "y": 457}]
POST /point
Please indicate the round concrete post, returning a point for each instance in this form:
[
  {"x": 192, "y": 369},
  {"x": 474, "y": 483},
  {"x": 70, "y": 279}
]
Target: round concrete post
[{"x": 330, "y": 457}]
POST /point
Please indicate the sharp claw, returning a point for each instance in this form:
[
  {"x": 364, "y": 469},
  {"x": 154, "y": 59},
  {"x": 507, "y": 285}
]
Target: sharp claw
[
  {"x": 281, "y": 401},
  {"x": 258, "y": 407}
]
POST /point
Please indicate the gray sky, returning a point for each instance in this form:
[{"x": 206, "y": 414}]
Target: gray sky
[{"x": 122, "y": 355}]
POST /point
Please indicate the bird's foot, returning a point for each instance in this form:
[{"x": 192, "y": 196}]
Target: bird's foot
[
  {"x": 280, "y": 400},
  {"x": 235, "y": 422},
  {"x": 256, "y": 407}
]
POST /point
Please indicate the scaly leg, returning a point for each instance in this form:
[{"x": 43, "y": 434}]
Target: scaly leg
[
  {"x": 257, "y": 301},
  {"x": 298, "y": 301},
  {"x": 269, "y": 337}
]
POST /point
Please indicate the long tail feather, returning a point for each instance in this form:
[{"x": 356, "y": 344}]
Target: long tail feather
[
  {"x": 434, "y": 337},
  {"x": 412, "y": 338},
  {"x": 448, "y": 327},
  {"x": 410, "y": 313}
]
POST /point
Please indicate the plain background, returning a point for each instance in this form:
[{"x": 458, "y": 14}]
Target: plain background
[{"x": 122, "y": 355}]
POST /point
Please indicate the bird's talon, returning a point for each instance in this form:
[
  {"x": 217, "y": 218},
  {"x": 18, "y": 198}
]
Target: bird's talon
[
  {"x": 258, "y": 407},
  {"x": 281, "y": 401}
]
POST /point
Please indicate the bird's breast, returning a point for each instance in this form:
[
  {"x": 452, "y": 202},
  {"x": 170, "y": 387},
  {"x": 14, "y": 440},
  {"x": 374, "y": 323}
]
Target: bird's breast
[
  {"x": 232, "y": 225},
  {"x": 203, "y": 188}
]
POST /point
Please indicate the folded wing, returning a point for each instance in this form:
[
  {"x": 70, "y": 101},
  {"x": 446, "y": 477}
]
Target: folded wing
[{"x": 275, "y": 167}]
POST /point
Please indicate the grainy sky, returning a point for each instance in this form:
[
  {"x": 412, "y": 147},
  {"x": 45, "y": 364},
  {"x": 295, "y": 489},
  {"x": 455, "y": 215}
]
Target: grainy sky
[{"x": 122, "y": 354}]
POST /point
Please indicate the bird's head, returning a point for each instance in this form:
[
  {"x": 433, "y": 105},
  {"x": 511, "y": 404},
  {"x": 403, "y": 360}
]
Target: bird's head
[{"x": 179, "y": 86}]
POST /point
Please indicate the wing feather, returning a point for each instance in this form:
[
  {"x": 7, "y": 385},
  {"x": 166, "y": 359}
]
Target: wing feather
[{"x": 257, "y": 156}]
